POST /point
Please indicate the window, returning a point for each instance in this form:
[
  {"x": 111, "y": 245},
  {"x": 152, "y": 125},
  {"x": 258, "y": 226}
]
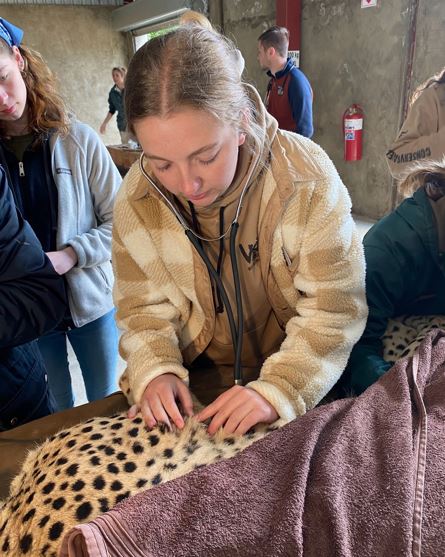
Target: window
[{"x": 141, "y": 36}]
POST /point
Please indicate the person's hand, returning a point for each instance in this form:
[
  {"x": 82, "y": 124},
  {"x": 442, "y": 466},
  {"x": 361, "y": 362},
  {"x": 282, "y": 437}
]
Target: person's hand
[
  {"x": 62, "y": 260},
  {"x": 159, "y": 402},
  {"x": 237, "y": 410},
  {"x": 103, "y": 128}
]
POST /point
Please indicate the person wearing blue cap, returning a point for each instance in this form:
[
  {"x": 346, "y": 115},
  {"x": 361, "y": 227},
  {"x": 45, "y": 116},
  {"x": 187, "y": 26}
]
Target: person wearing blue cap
[
  {"x": 64, "y": 183},
  {"x": 11, "y": 34}
]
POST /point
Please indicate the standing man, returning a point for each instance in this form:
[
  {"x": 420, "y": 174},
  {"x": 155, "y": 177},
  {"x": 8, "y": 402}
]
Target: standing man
[{"x": 289, "y": 93}]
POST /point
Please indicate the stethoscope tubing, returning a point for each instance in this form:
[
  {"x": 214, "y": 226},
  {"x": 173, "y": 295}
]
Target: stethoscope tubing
[
  {"x": 236, "y": 332},
  {"x": 237, "y": 372}
]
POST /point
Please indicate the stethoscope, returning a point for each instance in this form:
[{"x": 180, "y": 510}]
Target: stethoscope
[{"x": 236, "y": 331}]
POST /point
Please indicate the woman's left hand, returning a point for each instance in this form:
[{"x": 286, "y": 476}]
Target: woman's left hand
[
  {"x": 237, "y": 410},
  {"x": 62, "y": 260}
]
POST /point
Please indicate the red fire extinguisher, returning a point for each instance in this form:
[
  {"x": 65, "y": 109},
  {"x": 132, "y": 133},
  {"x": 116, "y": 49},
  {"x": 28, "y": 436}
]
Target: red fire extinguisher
[{"x": 353, "y": 132}]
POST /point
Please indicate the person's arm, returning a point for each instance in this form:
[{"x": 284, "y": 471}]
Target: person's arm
[
  {"x": 103, "y": 126},
  {"x": 111, "y": 111},
  {"x": 420, "y": 137},
  {"x": 63, "y": 260},
  {"x": 93, "y": 246},
  {"x": 300, "y": 100},
  {"x": 32, "y": 295},
  {"x": 149, "y": 320},
  {"x": 385, "y": 287},
  {"x": 323, "y": 245}
]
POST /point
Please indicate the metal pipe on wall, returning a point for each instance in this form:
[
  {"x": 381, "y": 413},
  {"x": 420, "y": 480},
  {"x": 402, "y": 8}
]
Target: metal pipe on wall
[
  {"x": 288, "y": 14},
  {"x": 407, "y": 83}
]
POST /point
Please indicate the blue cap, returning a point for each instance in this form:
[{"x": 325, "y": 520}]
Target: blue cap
[{"x": 11, "y": 34}]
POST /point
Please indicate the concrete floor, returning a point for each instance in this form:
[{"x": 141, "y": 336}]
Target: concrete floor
[{"x": 363, "y": 226}]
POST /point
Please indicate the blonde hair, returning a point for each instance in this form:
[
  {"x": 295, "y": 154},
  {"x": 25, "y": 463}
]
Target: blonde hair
[
  {"x": 46, "y": 108},
  {"x": 430, "y": 175},
  {"x": 197, "y": 18},
  {"x": 190, "y": 67},
  {"x": 120, "y": 69}
]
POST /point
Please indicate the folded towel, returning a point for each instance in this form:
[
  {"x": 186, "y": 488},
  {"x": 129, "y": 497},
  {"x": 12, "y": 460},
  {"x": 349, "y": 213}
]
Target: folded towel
[{"x": 357, "y": 477}]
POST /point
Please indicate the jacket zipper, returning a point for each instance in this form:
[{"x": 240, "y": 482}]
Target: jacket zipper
[
  {"x": 21, "y": 169},
  {"x": 48, "y": 181},
  {"x": 8, "y": 176}
]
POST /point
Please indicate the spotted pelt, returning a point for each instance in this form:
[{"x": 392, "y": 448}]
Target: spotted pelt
[
  {"x": 85, "y": 470},
  {"x": 404, "y": 334}
]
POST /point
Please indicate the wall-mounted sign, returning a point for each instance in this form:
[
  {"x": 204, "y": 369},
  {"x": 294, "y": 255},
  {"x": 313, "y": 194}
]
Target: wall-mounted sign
[
  {"x": 369, "y": 3},
  {"x": 295, "y": 55}
]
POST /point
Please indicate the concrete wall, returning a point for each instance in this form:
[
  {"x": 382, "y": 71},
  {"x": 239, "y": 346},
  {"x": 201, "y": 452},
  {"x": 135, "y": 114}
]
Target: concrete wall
[
  {"x": 355, "y": 55},
  {"x": 351, "y": 55},
  {"x": 429, "y": 55},
  {"x": 361, "y": 55},
  {"x": 243, "y": 22},
  {"x": 80, "y": 47}
]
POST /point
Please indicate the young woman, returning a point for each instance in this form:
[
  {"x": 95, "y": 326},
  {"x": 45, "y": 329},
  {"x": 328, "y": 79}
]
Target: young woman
[
  {"x": 64, "y": 183},
  {"x": 422, "y": 136},
  {"x": 405, "y": 272},
  {"x": 235, "y": 254},
  {"x": 116, "y": 104}
]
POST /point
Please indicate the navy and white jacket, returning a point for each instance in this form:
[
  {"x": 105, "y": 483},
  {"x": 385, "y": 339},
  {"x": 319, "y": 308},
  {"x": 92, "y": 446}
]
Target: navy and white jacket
[{"x": 289, "y": 99}]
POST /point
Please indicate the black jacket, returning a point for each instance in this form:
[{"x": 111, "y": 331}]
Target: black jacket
[
  {"x": 32, "y": 302},
  {"x": 32, "y": 294}
]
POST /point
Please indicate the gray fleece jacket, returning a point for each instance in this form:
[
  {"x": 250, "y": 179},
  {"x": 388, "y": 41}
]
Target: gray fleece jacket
[{"x": 87, "y": 181}]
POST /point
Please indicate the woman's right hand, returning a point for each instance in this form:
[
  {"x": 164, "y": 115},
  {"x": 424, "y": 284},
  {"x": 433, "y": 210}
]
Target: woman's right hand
[{"x": 159, "y": 402}]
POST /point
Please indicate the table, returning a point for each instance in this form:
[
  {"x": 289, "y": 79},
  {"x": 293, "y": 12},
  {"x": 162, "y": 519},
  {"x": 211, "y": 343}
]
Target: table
[{"x": 123, "y": 156}]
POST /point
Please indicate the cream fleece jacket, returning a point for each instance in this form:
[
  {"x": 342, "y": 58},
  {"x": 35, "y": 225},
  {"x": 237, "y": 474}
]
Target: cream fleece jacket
[{"x": 312, "y": 261}]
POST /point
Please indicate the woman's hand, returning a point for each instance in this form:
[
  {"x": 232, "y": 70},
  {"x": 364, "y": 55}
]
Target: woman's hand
[
  {"x": 63, "y": 260},
  {"x": 237, "y": 410},
  {"x": 159, "y": 402}
]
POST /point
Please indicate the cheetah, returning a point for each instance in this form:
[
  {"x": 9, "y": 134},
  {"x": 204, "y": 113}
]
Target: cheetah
[
  {"x": 404, "y": 334},
  {"x": 83, "y": 471}
]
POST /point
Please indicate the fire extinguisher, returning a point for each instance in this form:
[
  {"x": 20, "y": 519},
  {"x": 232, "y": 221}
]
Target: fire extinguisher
[{"x": 353, "y": 132}]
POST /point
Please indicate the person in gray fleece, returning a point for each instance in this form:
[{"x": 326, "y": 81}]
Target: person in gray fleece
[{"x": 64, "y": 183}]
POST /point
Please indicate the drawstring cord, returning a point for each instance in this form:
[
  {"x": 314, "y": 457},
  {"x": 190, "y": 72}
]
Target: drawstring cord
[{"x": 195, "y": 221}]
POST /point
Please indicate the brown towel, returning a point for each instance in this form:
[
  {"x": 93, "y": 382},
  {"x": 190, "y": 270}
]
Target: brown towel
[{"x": 346, "y": 479}]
